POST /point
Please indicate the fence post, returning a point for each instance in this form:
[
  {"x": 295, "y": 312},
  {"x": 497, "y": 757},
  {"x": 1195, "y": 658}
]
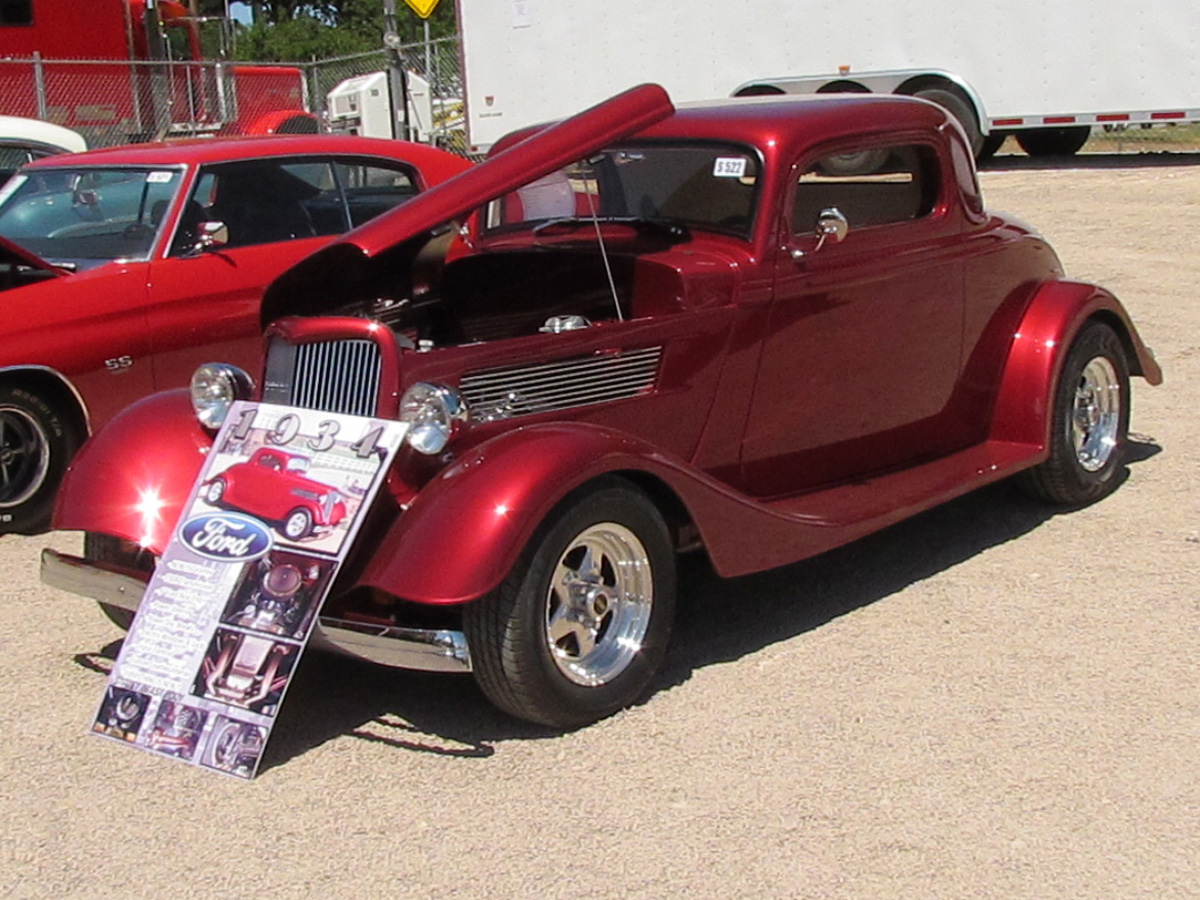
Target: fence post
[
  {"x": 39, "y": 87},
  {"x": 222, "y": 94},
  {"x": 316, "y": 97}
]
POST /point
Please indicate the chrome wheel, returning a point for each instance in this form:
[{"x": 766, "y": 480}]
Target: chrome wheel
[
  {"x": 579, "y": 626},
  {"x": 24, "y": 456},
  {"x": 298, "y": 524},
  {"x": 1089, "y": 422},
  {"x": 1096, "y": 416},
  {"x": 598, "y": 604}
]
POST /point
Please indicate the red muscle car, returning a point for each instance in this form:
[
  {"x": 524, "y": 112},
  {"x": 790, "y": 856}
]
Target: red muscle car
[
  {"x": 757, "y": 329},
  {"x": 169, "y": 248},
  {"x": 271, "y": 486}
]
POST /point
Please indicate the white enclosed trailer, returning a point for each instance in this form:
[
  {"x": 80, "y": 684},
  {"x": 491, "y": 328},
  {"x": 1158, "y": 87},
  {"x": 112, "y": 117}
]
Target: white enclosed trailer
[{"x": 1046, "y": 70}]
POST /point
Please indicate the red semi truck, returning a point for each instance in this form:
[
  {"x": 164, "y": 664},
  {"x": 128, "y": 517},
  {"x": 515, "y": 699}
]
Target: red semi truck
[{"x": 133, "y": 70}]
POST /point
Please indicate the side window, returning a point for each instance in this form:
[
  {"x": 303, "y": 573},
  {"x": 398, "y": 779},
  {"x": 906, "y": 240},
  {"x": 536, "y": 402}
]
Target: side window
[
  {"x": 374, "y": 188},
  {"x": 871, "y": 187},
  {"x": 322, "y": 201},
  {"x": 261, "y": 202}
]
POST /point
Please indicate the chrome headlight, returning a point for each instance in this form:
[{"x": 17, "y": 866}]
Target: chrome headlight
[
  {"x": 434, "y": 415},
  {"x": 215, "y": 386}
]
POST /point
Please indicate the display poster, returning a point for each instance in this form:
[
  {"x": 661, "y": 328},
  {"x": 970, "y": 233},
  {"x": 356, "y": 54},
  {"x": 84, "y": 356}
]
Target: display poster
[{"x": 229, "y": 609}]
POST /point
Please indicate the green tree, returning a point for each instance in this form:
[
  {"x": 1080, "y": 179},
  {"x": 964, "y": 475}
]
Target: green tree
[{"x": 291, "y": 31}]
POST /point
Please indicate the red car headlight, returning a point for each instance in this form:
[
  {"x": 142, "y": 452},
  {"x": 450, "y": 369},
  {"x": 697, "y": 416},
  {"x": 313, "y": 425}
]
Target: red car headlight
[{"x": 215, "y": 387}]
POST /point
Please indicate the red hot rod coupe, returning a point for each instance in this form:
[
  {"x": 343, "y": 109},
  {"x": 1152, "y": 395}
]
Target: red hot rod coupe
[
  {"x": 760, "y": 328},
  {"x": 271, "y": 485}
]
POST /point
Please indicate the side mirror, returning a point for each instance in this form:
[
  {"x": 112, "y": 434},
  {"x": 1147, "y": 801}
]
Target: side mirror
[
  {"x": 216, "y": 234},
  {"x": 831, "y": 223},
  {"x": 209, "y": 235}
]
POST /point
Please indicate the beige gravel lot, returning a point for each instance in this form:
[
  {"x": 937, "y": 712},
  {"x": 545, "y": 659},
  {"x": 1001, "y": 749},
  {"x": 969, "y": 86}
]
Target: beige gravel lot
[{"x": 989, "y": 701}]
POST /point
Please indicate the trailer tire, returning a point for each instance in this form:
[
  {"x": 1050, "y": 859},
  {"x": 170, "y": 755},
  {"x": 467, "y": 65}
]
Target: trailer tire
[
  {"x": 1039, "y": 142},
  {"x": 759, "y": 90},
  {"x": 961, "y": 110}
]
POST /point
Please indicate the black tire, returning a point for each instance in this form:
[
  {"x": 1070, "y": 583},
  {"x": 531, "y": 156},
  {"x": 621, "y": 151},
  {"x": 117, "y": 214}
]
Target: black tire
[
  {"x": 759, "y": 90},
  {"x": 961, "y": 110},
  {"x": 1090, "y": 424},
  {"x": 36, "y": 444},
  {"x": 847, "y": 165},
  {"x": 564, "y": 681},
  {"x": 104, "y": 548},
  {"x": 1054, "y": 141},
  {"x": 297, "y": 525}
]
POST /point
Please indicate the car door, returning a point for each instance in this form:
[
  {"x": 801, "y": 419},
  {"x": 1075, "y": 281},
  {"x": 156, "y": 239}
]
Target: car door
[
  {"x": 204, "y": 305},
  {"x": 862, "y": 351}
]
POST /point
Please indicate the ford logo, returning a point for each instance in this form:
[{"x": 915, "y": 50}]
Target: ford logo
[{"x": 228, "y": 537}]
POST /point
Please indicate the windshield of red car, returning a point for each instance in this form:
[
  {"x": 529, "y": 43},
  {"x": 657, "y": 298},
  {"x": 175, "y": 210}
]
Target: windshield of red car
[
  {"x": 87, "y": 216},
  {"x": 697, "y": 185}
]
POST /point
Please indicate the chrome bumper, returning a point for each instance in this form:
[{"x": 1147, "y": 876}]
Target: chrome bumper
[{"x": 426, "y": 650}]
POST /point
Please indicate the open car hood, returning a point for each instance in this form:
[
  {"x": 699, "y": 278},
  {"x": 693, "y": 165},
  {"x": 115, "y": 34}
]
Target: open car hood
[
  {"x": 328, "y": 272},
  {"x": 15, "y": 255}
]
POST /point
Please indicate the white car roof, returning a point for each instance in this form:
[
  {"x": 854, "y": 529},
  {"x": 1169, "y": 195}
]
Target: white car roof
[{"x": 38, "y": 132}]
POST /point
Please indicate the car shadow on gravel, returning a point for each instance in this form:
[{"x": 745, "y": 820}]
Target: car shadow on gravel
[
  {"x": 718, "y": 620},
  {"x": 721, "y": 620}
]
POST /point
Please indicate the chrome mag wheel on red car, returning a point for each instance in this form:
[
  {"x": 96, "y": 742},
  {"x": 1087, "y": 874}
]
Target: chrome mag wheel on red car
[
  {"x": 35, "y": 446},
  {"x": 579, "y": 628},
  {"x": 298, "y": 524},
  {"x": 1090, "y": 424}
]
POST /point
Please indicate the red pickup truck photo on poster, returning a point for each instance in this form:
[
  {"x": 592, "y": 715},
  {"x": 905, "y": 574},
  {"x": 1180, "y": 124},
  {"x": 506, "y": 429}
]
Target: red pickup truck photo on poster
[{"x": 227, "y": 614}]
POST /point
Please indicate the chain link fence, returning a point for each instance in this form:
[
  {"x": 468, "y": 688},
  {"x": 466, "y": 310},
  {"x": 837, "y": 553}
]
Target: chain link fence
[
  {"x": 432, "y": 81},
  {"x": 112, "y": 103},
  {"x": 122, "y": 102}
]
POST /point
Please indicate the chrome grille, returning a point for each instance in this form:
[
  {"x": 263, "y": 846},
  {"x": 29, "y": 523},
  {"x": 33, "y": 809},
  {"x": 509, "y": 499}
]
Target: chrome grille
[
  {"x": 564, "y": 384},
  {"x": 333, "y": 376}
]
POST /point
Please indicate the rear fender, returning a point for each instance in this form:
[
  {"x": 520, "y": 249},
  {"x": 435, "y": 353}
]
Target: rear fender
[
  {"x": 467, "y": 527},
  {"x": 133, "y": 477},
  {"x": 1056, "y": 314}
]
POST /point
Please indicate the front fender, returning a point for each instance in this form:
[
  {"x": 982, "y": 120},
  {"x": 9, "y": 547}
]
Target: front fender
[
  {"x": 467, "y": 527},
  {"x": 1040, "y": 346},
  {"x": 134, "y": 476}
]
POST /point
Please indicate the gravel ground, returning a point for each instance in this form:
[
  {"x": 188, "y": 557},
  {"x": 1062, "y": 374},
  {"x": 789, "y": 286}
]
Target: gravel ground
[{"x": 988, "y": 701}]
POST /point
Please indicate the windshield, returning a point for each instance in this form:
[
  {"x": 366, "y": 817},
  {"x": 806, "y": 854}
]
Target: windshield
[
  {"x": 87, "y": 216},
  {"x": 706, "y": 186}
]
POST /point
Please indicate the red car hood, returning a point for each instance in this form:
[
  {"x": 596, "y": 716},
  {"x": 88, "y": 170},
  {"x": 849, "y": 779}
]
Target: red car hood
[
  {"x": 13, "y": 254},
  {"x": 329, "y": 270}
]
